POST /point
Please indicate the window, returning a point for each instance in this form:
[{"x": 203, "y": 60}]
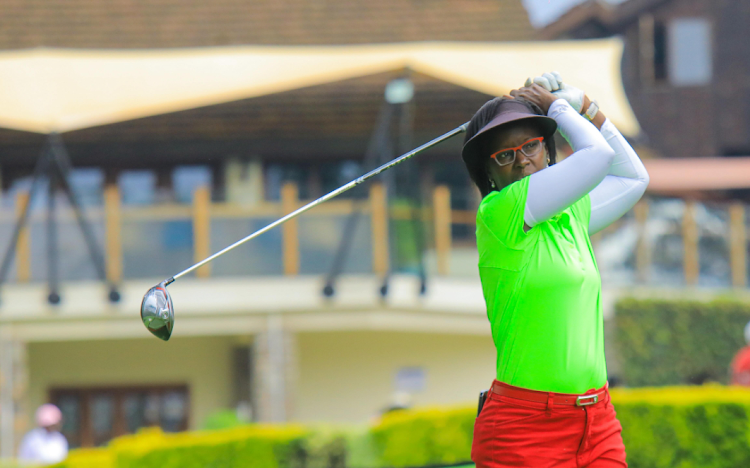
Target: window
[
  {"x": 660, "y": 52},
  {"x": 87, "y": 185},
  {"x": 652, "y": 44},
  {"x": 689, "y": 52},
  {"x": 138, "y": 187},
  {"x": 93, "y": 416},
  {"x": 186, "y": 179}
]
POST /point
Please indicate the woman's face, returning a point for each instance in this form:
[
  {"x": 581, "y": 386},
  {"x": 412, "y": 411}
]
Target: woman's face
[{"x": 513, "y": 136}]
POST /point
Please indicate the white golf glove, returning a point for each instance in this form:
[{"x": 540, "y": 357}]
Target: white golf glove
[{"x": 553, "y": 83}]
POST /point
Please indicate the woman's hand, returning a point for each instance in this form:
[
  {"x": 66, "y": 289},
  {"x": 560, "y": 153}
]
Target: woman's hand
[
  {"x": 536, "y": 94},
  {"x": 576, "y": 98},
  {"x": 553, "y": 82}
]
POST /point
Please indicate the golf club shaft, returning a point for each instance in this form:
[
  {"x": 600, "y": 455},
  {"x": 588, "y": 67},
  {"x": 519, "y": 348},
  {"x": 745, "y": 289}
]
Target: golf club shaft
[{"x": 324, "y": 198}]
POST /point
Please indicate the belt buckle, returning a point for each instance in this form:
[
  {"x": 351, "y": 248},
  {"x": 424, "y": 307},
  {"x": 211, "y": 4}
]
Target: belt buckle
[{"x": 586, "y": 400}]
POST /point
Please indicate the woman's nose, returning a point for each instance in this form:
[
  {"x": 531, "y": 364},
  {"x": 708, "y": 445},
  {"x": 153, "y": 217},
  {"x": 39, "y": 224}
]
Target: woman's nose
[{"x": 521, "y": 159}]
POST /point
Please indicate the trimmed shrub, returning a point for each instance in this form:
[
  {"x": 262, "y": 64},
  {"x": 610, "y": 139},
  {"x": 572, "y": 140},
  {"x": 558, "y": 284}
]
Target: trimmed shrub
[
  {"x": 436, "y": 436},
  {"x": 685, "y": 427},
  {"x": 693, "y": 427},
  {"x": 88, "y": 458},
  {"x": 257, "y": 446},
  {"x": 224, "y": 419},
  {"x": 662, "y": 342}
]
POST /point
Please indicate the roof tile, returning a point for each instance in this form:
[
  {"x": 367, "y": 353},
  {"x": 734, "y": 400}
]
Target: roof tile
[{"x": 198, "y": 23}]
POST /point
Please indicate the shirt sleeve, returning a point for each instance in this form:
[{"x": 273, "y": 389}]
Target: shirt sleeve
[
  {"x": 560, "y": 186},
  {"x": 624, "y": 185}
]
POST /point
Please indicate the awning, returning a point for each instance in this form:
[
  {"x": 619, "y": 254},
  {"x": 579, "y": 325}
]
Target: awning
[
  {"x": 680, "y": 175},
  {"x": 60, "y": 90}
]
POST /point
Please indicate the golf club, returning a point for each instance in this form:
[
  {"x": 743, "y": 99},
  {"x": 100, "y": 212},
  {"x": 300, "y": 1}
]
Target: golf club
[{"x": 157, "y": 311}]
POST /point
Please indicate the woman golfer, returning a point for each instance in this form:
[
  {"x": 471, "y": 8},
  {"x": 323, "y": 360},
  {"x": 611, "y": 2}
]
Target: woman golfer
[{"x": 549, "y": 405}]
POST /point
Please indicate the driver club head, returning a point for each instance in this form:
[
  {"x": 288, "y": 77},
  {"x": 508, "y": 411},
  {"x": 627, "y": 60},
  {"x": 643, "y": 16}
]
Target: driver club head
[{"x": 157, "y": 311}]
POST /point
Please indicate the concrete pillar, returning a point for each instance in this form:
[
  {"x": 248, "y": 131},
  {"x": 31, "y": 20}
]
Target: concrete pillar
[
  {"x": 274, "y": 372},
  {"x": 244, "y": 181},
  {"x": 13, "y": 391}
]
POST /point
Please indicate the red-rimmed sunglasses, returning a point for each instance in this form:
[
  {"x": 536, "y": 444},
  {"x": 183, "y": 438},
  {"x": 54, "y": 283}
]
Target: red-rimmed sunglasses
[{"x": 508, "y": 155}]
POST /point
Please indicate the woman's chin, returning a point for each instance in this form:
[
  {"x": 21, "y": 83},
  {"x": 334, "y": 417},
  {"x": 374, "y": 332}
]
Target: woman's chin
[{"x": 528, "y": 170}]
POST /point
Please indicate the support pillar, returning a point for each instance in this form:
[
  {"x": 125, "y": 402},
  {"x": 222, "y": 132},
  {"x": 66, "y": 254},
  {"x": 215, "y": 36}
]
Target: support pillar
[
  {"x": 738, "y": 244},
  {"x": 690, "y": 239},
  {"x": 379, "y": 213},
  {"x": 202, "y": 229},
  {"x": 642, "y": 251},
  {"x": 290, "y": 230},
  {"x": 441, "y": 202},
  {"x": 275, "y": 372},
  {"x": 13, "y": 391}
]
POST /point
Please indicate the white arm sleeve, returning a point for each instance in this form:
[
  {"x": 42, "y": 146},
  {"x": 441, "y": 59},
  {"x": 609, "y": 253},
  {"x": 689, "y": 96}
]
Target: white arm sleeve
[
  {"x": 556, "y": 188},
  {"x": 622, "y": 187}
]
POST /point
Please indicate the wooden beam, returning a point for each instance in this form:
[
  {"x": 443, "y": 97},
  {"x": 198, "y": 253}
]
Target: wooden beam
[
  {"x": 290, "y": 230},
  {"x": 690, "y": 240},
  {"x": 642, "y": 254},
  {"x": 113, "y": 232},
  {"x": 379, "y": 213},
  {"x": 441, "y": 203},
  {"x": 738, "y": 244},
  {"x": 23, "y": 246},
  {"x": 202, "y": 229}
]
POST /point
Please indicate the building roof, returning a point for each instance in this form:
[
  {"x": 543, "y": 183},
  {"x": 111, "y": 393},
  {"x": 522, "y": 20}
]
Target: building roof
[
  {"x": 54, "y": 90},
  {"x": 201, "y": 23},
  {"x": 606, "y": 16},
  {"x": 680, "y": 175}
]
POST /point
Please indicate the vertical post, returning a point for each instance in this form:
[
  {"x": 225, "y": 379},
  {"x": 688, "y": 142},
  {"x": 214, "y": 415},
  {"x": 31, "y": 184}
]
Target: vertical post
[
  {"x": 738, "y": 244},
  {"x": 290, "y": 233},
  {"x": 379, "y": 213},
  {"x": 7, "y": 416},
  {"x": 274, "y": 371},
  {"x": 202, "y": 229},
  {"x": 13, "y": 391},
  {"x": 441, "y": 204},
  {"x": 646, "y": 47},
  {"x": 642, "y": 260},
  {"x": 690, "y": 242},
  {"x": 53, "y": 255},
  {"x": 113, "y": 233},
  {"x": 23, "y": 246}
]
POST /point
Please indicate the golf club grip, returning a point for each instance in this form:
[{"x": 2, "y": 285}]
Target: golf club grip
[{"x": 456, "y": 131}]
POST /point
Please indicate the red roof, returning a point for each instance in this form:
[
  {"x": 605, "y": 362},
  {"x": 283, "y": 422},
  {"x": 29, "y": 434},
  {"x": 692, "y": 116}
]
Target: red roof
[{"x": 679, "y": 175}]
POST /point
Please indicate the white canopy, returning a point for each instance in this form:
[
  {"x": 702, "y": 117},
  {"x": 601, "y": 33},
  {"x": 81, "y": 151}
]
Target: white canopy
[{"x": 60, "y": 90}]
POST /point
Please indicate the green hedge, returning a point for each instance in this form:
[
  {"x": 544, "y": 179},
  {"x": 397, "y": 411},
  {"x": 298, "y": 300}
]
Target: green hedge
[
  {"x": 660, "y": 342},
  {"x": 686, "y": 427},
  {"x": 426, "y": 437}
]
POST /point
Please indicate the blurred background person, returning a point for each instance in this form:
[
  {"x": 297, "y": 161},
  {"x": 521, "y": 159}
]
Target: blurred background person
[
  {"x": 45, "y": 444},
  {"x": 740, "y": 368}
]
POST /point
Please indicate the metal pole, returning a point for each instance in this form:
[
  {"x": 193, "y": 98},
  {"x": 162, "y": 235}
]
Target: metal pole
[
  {"x": 41, "y": 167},
  {"x": 54, "y": 296},
  {"x": 60, "y": 160}
]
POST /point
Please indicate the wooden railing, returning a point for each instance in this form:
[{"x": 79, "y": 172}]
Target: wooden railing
[
  {"x": 737, "y": 237},
  {"x": 202, "y": 211},
  {"x": 439, "y": 218}
]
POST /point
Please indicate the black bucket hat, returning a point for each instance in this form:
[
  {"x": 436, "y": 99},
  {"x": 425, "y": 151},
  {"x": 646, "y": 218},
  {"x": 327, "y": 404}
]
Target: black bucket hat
[{"x": 508, "y": 111}]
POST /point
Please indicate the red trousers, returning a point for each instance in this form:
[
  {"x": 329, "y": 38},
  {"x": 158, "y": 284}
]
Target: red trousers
[{"x": 510, "y": 432}]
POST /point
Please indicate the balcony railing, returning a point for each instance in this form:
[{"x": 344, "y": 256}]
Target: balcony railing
[{"x": 660, "y": 242}]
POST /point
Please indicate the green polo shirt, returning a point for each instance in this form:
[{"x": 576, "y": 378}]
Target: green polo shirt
[{"x": 543, "y": 294}]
